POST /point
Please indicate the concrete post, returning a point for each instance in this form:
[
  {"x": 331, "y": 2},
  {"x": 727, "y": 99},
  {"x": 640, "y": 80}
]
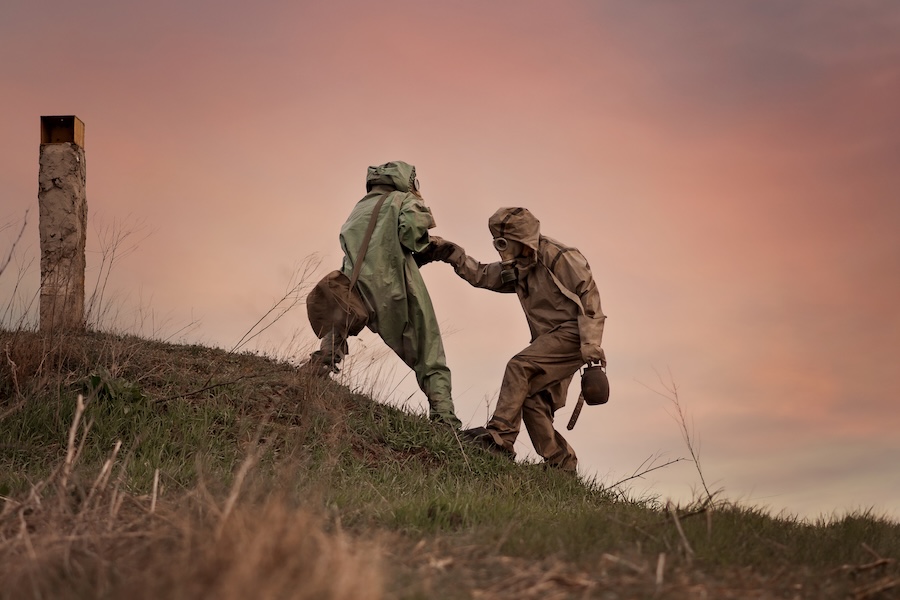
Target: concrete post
[{"x": 63, "y": 223}]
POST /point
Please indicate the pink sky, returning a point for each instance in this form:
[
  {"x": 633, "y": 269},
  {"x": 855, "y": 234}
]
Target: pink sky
[{"x": 730, "y": 171}]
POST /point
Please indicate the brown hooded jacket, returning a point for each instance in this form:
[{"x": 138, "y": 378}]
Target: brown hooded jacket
[{"x": 555, "y": 286}]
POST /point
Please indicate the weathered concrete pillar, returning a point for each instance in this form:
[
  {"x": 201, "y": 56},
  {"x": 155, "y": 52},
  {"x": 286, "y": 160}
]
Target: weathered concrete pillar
[{"x": 63, "y": 223}]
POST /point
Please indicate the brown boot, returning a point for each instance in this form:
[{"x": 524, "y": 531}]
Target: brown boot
[
  {"x": 481, "y": 437},
  {"x": 317, "y": 368}
]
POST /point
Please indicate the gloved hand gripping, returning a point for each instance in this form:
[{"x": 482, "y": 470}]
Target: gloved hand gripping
[{"x": 441, "y": 250}]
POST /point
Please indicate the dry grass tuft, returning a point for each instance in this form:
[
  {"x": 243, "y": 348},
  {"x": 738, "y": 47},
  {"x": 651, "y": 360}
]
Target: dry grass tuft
[{"x": 77, "y": 539}]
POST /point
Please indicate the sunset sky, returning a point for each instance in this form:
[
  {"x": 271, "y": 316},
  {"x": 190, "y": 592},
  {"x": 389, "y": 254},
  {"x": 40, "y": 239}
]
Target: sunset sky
[{"x": 730, "y": 170}]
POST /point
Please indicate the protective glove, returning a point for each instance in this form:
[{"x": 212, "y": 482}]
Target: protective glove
[
  {"x": 446, "y": 251},
  {"x": 591, "y": 353},
  {"x": 425, "y": 256}
]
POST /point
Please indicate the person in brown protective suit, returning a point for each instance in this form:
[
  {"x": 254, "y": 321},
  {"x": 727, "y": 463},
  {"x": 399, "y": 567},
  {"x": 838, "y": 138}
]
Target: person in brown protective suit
[{"x": 562, "y": 305}]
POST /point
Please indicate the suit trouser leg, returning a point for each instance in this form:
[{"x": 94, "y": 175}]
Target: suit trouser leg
[
  {"x": 332, "y": 350},
  {"x": 422, "y": 349},
  {"x": 546, "y": 365},
  {"x": 537, "y": 414}
]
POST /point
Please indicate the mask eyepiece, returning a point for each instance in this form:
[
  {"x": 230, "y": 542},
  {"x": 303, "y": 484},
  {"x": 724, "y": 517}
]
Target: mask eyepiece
[{"x": 500, "y": 244}]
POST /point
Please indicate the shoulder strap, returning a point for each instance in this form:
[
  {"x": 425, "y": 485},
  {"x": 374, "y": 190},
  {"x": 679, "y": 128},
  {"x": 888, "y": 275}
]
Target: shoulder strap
[
  {"x": 562, "y": 288},
  {"x": 357, "y": 264}
]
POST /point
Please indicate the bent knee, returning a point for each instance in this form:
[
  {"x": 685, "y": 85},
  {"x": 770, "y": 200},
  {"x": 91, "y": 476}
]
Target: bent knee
[{"x": 521, "y": 364}]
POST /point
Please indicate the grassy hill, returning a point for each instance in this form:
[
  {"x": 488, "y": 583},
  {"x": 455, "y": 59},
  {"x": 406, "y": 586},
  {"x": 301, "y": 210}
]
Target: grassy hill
[{"x": 190, "y": 472}]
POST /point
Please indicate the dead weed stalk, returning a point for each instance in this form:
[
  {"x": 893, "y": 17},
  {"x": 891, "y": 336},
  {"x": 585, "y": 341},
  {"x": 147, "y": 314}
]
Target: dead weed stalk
[{"x": 65, "y": 540}]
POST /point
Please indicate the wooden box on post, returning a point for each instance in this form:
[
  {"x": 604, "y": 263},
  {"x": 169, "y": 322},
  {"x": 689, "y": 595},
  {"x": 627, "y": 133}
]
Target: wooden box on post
[{"x": 62, "y": 129}]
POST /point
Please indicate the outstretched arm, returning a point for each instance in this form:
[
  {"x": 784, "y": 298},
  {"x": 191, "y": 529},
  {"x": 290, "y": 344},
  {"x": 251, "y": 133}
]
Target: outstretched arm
[{"x": 482, "y": 275}]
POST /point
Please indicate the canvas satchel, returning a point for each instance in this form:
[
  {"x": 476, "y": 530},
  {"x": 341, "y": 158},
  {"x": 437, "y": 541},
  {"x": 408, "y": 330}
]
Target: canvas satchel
[{"x": 335, "y": 302}]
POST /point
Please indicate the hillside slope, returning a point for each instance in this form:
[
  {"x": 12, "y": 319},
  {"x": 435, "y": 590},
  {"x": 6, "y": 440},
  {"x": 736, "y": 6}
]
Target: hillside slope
[{"x": 192, "y": 472}]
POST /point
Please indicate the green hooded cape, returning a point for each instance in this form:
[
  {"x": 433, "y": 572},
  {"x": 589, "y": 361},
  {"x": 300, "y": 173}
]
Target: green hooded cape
[{"x": 389, "y": 281}]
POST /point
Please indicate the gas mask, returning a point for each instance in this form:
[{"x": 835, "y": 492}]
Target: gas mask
[{"x": 508, "y": 255}]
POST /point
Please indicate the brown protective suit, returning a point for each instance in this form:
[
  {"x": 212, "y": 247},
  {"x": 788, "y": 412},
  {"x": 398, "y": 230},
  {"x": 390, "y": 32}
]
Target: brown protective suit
[{"x": 562, "y": 305}]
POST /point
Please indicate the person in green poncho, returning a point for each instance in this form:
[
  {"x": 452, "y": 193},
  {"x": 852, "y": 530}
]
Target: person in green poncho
[{"x": 400, "y": 309}]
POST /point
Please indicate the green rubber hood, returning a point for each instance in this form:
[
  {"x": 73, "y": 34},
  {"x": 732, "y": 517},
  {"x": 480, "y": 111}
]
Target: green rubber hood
[{"x": 396, "y": 174}]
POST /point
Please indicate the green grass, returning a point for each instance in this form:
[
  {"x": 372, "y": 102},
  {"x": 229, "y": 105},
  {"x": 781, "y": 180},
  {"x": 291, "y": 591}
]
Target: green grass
[{"x": 253, "y": 451}]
